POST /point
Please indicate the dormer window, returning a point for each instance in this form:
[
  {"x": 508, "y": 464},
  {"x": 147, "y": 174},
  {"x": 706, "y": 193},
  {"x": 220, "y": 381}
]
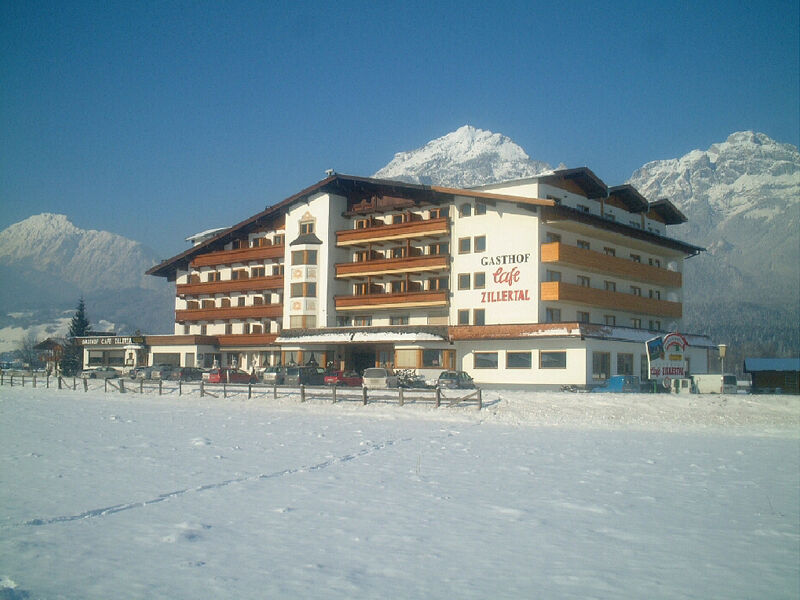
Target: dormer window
[
  {"x": 306, "y": 227},
  {"x": 465, "y": 210}
]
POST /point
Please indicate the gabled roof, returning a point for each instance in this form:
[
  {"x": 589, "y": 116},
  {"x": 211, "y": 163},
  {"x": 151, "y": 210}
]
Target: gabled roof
[
  {"x": 630, "y": 197},
  {"x": 588, "y": 182},
  {"x": 668, "y": 211}
]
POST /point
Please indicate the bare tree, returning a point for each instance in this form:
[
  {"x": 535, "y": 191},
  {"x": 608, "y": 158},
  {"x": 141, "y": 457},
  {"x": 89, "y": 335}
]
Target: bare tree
[{"x": 26, "y": 350}]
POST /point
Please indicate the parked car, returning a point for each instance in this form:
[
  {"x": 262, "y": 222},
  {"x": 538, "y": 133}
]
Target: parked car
[
  {"x": 273, "y": 375},
  {"x": 343, "y": 378},
  {"x": 141, "y": 373},
  {"x": 306, "y": 375},
  {"x": 378, "y": 378},
  {"x": 624, "y": 384},
  {"x": 187, "y": 374},
  {"x": 228, "y": 375},
  {"x": 100, "y": 373},
  {"x": 455, "y": 380},
  {"x": 162, "y": 371}
]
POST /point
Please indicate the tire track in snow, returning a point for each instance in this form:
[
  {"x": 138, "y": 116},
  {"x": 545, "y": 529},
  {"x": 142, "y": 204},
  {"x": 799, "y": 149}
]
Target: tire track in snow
[{"x": 110, "y": 510}]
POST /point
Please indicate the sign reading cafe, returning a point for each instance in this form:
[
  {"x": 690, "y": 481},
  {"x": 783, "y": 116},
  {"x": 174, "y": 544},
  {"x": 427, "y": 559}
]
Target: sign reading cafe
[
  {"x": 667, "y": 356},
  {"x": 506, "y": 276}
]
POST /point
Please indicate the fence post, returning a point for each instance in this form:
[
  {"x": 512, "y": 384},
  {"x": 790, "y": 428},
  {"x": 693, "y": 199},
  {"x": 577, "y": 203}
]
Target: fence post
[
  {"x": 334, "y": 393},
  {"x": 364, "y": 395},
  {"x": 401, "y": 396},
  {"x": 85, "y": 384},
  {"x": 34, "y": 381},
  {"x": 48, "y": 381},
  {"x": 105, "y": 385},
  {"x": 2, "y": 377},
  {"x": 180, "y": 387},
  {"x": 75, "y": 383},
  {"x": 274, "y": 391},
  {"x": 224, "y": 390},
  {"x": 480, "y": 399},
  {"x": 302, "y": 393},
  {"x": 121, "y": 385},
  {"x": 141, "y": 386},
  {"x": 249, "y": 391},
  {"x": 12, "y": 380},
  {"x": 23, "y": 380},
  {"x": 202, "y": 389},
  {"x": 160, "y": 383},
  {"x": 438, "y": 396},
  {"x": 59, "y": 382}
]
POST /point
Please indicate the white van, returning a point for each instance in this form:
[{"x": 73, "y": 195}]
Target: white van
[{"x": 714, "y": 383}]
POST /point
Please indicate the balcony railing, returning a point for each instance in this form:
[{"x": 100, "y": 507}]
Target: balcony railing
[
  {"x": 241, "y": 255},
  {"x": 412, "y": 264},
  {"x": 404, "y": 300},
  {"x": 597, "y": 262},
  {"x": 386, "y": 233},
  {"x": 274, "y": 282},
  {"x": 557, "y": 291},
  {"x": 261, "y": 311}
]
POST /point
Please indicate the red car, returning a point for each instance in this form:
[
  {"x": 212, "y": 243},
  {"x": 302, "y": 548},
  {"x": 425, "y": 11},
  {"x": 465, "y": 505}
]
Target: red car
[
  {"x": 226, "y": 375},
  {"x": 343, "y": 378}
]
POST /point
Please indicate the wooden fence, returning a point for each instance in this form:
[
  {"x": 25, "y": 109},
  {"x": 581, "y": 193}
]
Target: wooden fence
[{"x": 400, "y": 396}]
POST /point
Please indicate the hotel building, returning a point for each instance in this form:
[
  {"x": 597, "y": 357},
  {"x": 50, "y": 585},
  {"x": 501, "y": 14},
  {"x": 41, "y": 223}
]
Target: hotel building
[{"x": 552, "y": 280}]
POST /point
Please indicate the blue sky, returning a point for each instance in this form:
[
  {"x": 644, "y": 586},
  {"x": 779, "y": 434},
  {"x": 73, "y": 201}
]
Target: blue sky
[{"x": 156, "y": 120}]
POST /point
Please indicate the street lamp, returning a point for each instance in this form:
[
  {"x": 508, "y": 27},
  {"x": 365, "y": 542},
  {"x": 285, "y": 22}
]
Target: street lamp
[{"x": 722, "y": 350}]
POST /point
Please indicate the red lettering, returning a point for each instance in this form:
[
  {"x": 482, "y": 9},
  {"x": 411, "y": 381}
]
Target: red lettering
[{"x": 508, "y": 277}]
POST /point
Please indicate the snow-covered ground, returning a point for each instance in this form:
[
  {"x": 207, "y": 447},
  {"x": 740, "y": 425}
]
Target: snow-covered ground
[{"x": 537, "y": 496}]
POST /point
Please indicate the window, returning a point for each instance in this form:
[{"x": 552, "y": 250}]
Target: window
[
  {"x": 463, "y": 317},
  {"x": 304, "y": 290},
  {"x": 636, "y": 291},
  {"x": 609, "y": 319},
  {"x": 636, "y": 258},
  {"x": 278, "y": 241},
  {"x": 257, "y": 272},
  {"x": 438, "y": 283},
  {"x": 192, "y": 305},
  {"x": 480, "y": 209},
  {"x": 277, "y": 269},
  {"x": 434, "y": 358},
  {"x": 303, "y": 321},
  {"x": 194, "y": 278},
  {"x": 228, "y": 329},
  {"x": 397, "y": 287},
  {"x": 601, "y": 365},
  {"x": 518, "y": 360},
  {"x": 362, "y": 223},
  {"x": 237, "y": 274},
  {"x": 655, "y": 325},
  {"x": 553, "y": 360},
  {"x": 208, "y": 304},
  {"x": 256, "y": 328},
  {"x": 636, "y": 323},
  {"x": 398, "y": 320},
  {"x": 479, "y": 316},
  {"x": 399, "y": 219},
  {"x": 584, "y": 245},
  {"x": 644, "y": 368},
  {"x": 485, "y": 360},
  {"x": 610, "y": 217},
  {"x": 438, "y": 249},
  {"x": 213, "y": 276},
  {"x": 479, "y": 280},
  {"x": 610, "y": 286},
  {"x": 463, "y": 281},
  {"x": 552, "y": 315},
  {"x": 464, "y": 245},
  {"x": 609, "y": 251},
  {"x": 406, "y": 359},
  {"x": 362, "y": 321},
  {"x": 551, "y": 237},
  {"x": 654, "y": 262},
  {"x": 553, "y": 275},
  {"x": 584, "y": 281},
  {"x": 398, "y": 252},
  {"x": 465, "y": 210},
  {"x": 258, "y": 300},
  {"x": 583, "y": 317},
  {"x": 304, "y": 257},
  {"x": 480, "y": 243},
  {"x": 439, "y": 213},
  {"x": 306, "y": 227},
  {"x": 343, "y": 321},
  {"x": 624, "y": 364},
  {"x": 186, "y": 329},
  {"x": 203, "y": 329},
  {"x": 583, "y": 208}
]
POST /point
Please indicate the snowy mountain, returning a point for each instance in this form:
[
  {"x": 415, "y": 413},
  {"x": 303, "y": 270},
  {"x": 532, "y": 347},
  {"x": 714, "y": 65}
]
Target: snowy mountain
[
  {"x": 47, "y": 264},
  {"x": 742, "y": 198},
  {"x": 463, "y": 158}
]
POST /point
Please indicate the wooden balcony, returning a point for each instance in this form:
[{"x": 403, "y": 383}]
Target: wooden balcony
[
  {"x": 274, "y": 282},
  {"x": 242, "y": 255},
  {"x": 389, "y": 266},
  {"x": 381, "y": 301},
  {"x": 244, "y": 339},
  {"x": 597, "y": 262},
  {"x": 386, "y": 233},
  {"x": 263, "y": 311},
  {"x": 556, "y": 291}
]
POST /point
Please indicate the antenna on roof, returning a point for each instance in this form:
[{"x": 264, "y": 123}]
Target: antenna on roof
[{"x": 330, "y": 172}]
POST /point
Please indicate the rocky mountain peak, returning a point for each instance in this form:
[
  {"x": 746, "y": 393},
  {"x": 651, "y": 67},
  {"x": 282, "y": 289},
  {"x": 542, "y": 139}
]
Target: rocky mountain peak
[{"x": 465, "y": 157}]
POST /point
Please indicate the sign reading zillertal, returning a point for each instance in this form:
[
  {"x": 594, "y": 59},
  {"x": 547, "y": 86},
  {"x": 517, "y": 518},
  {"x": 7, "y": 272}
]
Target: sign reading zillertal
[{"x": 666, "y": 356}]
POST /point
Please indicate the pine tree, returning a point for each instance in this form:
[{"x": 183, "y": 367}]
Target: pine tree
[{"x": 71, "y": 360}]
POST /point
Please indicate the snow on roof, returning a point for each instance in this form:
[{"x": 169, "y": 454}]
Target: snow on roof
[
  {"x": 204, "y": 235},
  {"x": 360, "y": 336},
  {"x": 752, "y": 365}
]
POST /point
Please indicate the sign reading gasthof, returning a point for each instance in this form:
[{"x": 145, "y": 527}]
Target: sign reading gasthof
[{"x": 666, "y": 356}]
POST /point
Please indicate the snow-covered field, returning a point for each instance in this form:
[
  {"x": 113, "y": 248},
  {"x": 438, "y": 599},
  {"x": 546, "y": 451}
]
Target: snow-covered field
[{"x": 537, "y": 496}]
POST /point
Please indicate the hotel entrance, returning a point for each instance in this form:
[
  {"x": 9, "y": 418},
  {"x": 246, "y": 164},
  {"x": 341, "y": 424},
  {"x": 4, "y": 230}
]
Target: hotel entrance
[{"x": 364, "y": 356}]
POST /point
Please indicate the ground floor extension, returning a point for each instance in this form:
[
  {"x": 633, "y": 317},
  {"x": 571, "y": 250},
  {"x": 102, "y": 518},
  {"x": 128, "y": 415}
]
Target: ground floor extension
[{"x": 535, "y": 355}]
